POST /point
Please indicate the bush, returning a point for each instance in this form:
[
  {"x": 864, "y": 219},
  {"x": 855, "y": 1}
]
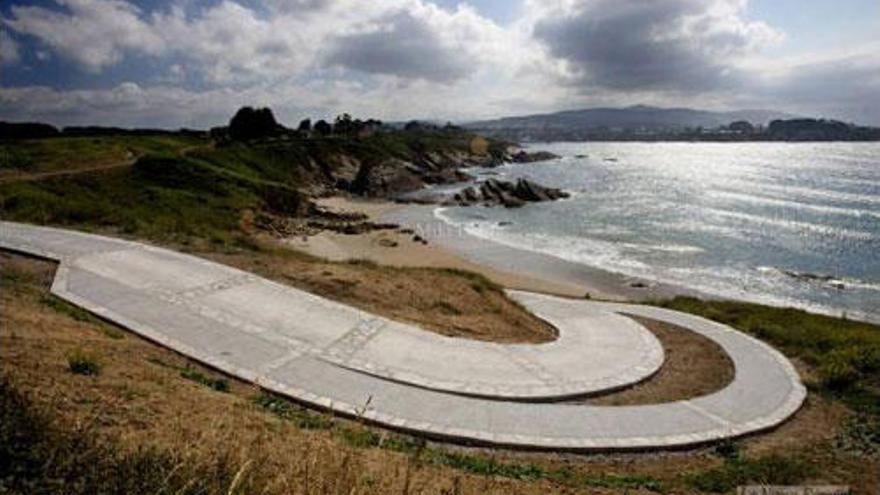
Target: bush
[
  {"x": 838, "y": 370},
  {"x": 81, "y": 363}
]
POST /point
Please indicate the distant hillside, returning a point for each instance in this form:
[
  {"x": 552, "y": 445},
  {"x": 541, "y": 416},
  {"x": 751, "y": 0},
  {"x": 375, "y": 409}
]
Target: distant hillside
[{"x": 639, "y": 119}]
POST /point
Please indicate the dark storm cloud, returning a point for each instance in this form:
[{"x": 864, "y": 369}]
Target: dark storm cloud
[
  {"x": 402, "y": 46},
  {"x": 674, "y": 45}
]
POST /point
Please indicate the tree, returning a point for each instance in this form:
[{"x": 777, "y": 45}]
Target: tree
[
  {"x": 344, "y": 125},
  {"x": 742, "y": 126},
  {"x": 413, "y": 125},
  {"x": 305, "y": 125},
  {"x": 322, "y": 128},
  {"x": 253, "y": 123}
]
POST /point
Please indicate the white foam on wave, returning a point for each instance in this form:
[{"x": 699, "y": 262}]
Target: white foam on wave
[
  {"x": 758, "y": 199},
  {"x": 592, "y": 252},
  {"x": 734, "y": 282},
  {"x": 796, "y": 225},
  {"x": 790, "y": 191}
]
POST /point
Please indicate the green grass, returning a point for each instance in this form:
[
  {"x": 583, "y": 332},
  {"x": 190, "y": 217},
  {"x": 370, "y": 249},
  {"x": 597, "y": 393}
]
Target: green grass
[
  {"x": 201, "y": 196},
  {"x": 64, "y": 153},
  {"x": 845, "y": 353},
  {"x": 218, "y": 384},
  {"x": 285, "y": 409},
  {"x": 766, "y": 470}
]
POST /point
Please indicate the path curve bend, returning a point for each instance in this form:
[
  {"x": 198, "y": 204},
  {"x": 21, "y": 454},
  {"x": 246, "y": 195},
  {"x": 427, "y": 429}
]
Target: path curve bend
[{"x": 337, "y": 357}]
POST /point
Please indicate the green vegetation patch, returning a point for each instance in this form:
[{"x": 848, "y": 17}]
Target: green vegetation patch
[
  {"x": 70, "y": 153},
  {"x": 285, "y": 409},
  {"x": 218, "y": 384},
  {"x": 846, "y": 353},
  {"x": 766, "y": 470},
  {"x": 80, "y": 362}
]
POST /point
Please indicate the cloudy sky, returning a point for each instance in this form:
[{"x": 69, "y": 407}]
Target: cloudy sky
[{"x": 175, "y": 63}]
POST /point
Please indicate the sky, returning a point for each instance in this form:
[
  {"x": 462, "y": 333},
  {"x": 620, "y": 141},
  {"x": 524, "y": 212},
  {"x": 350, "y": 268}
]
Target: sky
[{"x": 192, "y": 63}]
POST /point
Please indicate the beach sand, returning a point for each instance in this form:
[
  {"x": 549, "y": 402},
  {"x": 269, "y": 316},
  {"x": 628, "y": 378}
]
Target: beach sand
[
  {"x": 390, "y": 247},
  {"x": 449, "y": 247}
]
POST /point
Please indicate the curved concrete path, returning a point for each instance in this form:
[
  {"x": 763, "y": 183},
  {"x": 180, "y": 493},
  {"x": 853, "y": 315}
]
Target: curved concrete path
[
  {"x": 614, "y": 353},
  {"x": 334, "y": 356}
]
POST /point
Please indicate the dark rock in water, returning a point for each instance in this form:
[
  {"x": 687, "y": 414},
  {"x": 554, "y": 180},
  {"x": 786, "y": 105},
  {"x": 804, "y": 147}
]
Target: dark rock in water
[
  {"x": 470, "y": 194},
  {"x": 504, "y": 224},
  {"x": 827, "y": 280},
  {"x": 507, "y": 194},
  {"x": 580, "y": 156},
  {"x": 531, "y": 157},
  {"x": 638, "y": 285}
]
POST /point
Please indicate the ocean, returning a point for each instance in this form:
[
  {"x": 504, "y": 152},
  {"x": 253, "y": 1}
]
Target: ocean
[{"x": 787, "y": 224}]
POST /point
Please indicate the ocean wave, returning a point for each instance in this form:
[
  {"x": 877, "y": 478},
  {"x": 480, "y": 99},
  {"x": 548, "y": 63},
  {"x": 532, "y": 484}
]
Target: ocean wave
[
  {"x": 789, "y": 191},
  {"x": 827, "y": 230},
  {"x": 831, "y": 281},
  {"x": 664, "y": 248},
  {"x": 738, "y": 282},
  {"x": 834, "y": 210}
]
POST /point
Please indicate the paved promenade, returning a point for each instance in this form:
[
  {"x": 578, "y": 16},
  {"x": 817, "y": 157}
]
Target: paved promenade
[{"x": 338, "y": 357}]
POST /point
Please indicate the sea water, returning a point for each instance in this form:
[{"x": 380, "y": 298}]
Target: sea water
[{"x": 791, "y": 224}]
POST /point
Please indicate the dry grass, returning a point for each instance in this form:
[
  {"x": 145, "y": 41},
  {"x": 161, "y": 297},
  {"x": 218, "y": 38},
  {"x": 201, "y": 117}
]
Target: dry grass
[
  {"x": 450, "y": 302},
  {"x": 694, "y": 366},
  {"x": 141, "y": 398}
]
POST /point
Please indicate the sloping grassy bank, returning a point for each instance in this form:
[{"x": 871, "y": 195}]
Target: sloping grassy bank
[{"x": 91, "y": 408}]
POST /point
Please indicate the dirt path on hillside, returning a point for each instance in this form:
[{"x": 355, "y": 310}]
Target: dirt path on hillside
[{"x": 129, "y": 160}]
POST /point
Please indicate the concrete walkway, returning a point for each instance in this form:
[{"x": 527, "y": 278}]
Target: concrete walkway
[{"x": 335, "y": 356}]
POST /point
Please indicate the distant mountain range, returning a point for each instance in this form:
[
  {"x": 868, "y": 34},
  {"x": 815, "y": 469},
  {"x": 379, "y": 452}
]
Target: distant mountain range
[{"x": 635, "y": 120}]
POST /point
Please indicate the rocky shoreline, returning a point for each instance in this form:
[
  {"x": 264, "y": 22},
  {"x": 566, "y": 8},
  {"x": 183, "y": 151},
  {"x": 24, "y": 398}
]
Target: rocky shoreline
[
  {"x": 393, "y": 178},
  {"x": 493, "y": 192}
]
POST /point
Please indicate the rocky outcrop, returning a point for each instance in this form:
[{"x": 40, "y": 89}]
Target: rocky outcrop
[
  {"x": 507, "y": 194},
  {"x": 386, "y": 178},
  {"x": 530, "y": 157}
]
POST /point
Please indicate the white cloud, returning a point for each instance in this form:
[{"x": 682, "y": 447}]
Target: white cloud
[
  {"x": 398, "y": 59},
  {"x": 9, "y": 51},
  {"x": 674, "y": 45},
  {"x": 96, "y": 33}
]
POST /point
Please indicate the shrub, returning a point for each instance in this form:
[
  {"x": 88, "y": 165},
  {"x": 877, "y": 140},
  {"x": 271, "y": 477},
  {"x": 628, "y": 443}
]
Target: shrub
[
  {"x": 838, "y": 371},
  {"x": 81, "y": 363}
]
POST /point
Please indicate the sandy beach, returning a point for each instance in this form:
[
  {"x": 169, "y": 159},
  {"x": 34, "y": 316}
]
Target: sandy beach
[
  {"x": 391, "y": 247},
  {"x": 512, "y": 268}
]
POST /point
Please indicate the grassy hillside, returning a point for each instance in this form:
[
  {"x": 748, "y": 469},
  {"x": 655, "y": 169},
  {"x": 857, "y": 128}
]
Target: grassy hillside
[
  {"x": 72, "y": 153},
  {"x": 118, "y": 413},
  {"x": 181, "y": 188}
]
